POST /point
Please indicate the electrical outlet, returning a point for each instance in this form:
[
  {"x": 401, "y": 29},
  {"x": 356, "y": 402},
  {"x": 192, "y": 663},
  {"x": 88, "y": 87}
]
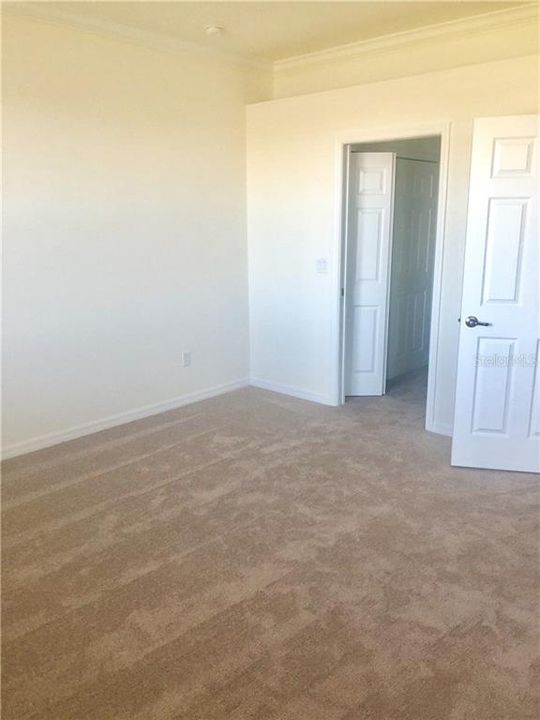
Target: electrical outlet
[{"x": 186, "y": 359}]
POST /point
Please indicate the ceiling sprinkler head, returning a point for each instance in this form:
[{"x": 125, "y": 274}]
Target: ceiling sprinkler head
[{"x": 214, "y": 30}]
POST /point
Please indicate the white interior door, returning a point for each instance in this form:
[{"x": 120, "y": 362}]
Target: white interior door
[
  {"x": 369, "y": 228},
  {"x": 413, "y": 250},
  {"x": 497, "y": 416}
]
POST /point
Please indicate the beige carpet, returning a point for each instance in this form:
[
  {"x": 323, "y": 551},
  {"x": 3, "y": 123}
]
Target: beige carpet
[{"x": 257, "y": 556}]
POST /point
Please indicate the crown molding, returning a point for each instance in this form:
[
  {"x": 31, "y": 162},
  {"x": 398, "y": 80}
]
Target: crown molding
[
  {"x": 474, "y": 25},
  {"x": 129, "y": 34}
]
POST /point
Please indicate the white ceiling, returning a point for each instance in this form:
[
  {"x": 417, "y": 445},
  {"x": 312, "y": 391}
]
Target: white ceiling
[{"x": 269, "y": 30}]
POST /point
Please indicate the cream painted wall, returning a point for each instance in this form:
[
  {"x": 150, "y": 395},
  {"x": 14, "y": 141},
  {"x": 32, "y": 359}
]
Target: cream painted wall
[
  {"x": 293, "y": 214},
  {"x": 124, "y": 228}
]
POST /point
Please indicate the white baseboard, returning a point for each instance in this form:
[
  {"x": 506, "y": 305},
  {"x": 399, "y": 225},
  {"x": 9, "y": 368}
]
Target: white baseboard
[
  {"x": 54, "y": 438},
  {"x": 440, "y": 428},
  {"x": 293, "y": 391}
]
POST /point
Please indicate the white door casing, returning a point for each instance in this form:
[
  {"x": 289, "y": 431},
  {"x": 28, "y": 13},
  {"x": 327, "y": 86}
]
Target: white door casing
[
  {"x": 369, "y": 228},
  {"x": 413, "y": 251},
  {"x": 497, "y": 412}
]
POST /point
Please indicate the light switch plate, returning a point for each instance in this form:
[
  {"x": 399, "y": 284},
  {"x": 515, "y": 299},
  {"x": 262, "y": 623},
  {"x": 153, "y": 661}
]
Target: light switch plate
[{"x": 322, "y": 266}]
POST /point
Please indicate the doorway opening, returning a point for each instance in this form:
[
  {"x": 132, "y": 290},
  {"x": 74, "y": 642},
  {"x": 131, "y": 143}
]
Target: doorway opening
[{"x": 388, "y": 266}]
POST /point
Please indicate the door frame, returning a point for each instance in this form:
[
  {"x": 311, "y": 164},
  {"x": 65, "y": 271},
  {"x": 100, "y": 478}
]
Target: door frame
[{"x": 343, "y": 143}]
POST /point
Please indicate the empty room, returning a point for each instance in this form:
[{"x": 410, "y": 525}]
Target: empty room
[{"x": 270, "y": 349}]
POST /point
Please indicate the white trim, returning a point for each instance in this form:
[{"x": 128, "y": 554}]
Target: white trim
[
  {"x": 292, "y": 391},
  {"x": 440, "y": 429},
  {"x": 385, "y": 134},
  {"x": 436, "y": 295},
  {"x": 54, "y": 438},
  {"x": 127, "y": 33},
  {"x": 389, "y": 264},
  {"x": 473, "y": 25}
]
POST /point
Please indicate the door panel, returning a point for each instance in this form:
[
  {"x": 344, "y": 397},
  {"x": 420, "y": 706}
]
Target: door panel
[
  {"x": 369, "y": 242},
  {"x": 497, "y": 406},
  {"x": 490, "y": 410},
  {"x": 506, "y": 223},
  {"x": 364, "y": 354},
  {"x": 371, "y": 183},
  {"x": 412, "y": 265}
]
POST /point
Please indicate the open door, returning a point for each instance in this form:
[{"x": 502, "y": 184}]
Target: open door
[
  {"x": 369, "y": 232},
  {"x": 497, "y": 415},
  {"x": 413, "y": 254}
]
